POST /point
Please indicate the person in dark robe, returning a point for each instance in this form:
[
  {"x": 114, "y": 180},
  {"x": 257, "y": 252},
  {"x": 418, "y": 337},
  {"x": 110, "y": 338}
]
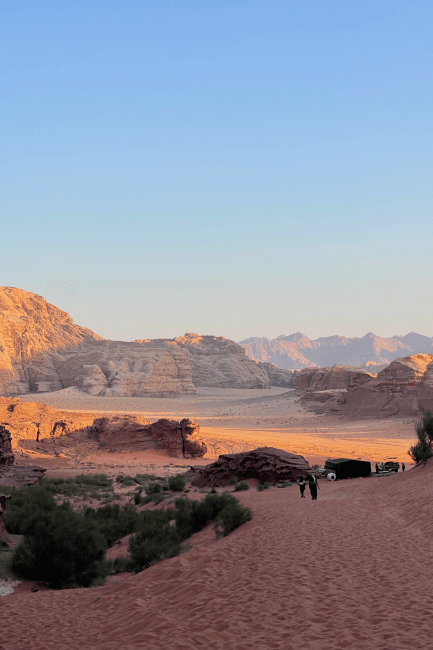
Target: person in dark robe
[
  {"x": 403, "y": 467},
  {"x": 312, "y": 484},
  {"x": 302, "y": 486},
  {"x": 377, "y": 468}
]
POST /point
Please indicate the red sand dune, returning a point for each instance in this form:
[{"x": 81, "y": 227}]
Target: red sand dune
[{"x": 351, "y": 571}]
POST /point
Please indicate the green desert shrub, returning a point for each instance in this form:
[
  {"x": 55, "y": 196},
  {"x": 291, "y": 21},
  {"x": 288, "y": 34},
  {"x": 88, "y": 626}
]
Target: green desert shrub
[
  {"x": 177, "y": 483},
  {"x": 153, "y": 488},
  {"x": 25, "y": 503},
  {"x": 231, "y": 517},
  {"x": 264, "y": 486},
  {"x": 112, "y": 521},
  {"x": 243, "y": 485},
  {"x": 152, "y": 544},
  {"x": 61, "y": 549},
  {"x": 422, "y": 449}
]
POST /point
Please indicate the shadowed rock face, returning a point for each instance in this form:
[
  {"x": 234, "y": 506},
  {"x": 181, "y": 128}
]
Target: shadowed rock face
[
  {"x": 6, "y": 455},
  {"x": 263, "y": 464}
]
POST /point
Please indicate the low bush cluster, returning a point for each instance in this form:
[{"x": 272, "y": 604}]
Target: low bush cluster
[
  {"x": 67, "y": 548},
  {"x": 422, "y": 449},
  {"x": 264, "y": 486}
]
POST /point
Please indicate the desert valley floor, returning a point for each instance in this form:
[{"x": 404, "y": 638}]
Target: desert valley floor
[
  {"x": 350, "y": 571},
  {"x": 236, "y": 420}
]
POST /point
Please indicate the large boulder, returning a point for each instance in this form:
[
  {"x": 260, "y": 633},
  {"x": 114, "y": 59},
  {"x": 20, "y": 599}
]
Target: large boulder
[{"x": 263, "y": 464}]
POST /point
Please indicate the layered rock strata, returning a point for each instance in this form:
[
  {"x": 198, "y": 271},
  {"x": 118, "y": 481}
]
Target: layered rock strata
[
  {"x": 330, "y": 378},
  {"x": 42, "y": 349},
  {"x": 263, "y": 464}
]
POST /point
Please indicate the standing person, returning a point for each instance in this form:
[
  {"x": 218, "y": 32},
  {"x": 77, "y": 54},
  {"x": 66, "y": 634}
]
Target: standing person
[
  {"x": 312, "y": 484},
  {"x": 302, "y": 485},
  {"x": 403, "y": 467},
  {"x": 377, "y": 468}
]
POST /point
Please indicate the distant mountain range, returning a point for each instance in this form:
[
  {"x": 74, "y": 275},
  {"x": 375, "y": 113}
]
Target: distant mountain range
[{"x": 298, "y": 351}]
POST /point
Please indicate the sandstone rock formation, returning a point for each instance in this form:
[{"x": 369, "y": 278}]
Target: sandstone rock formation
[
  {"x": 278, "y": 376},
  {"x": 10, "y": 474},
  {"x": 263, "y": 464},
  {"x": 404, "y": 388},
  {"x": 19, "y": 475},
  {"x": 218, "y": 362},
  {"x": 181, "y": 439},
  {"x": 31, "y": 421},
  {"x": 41, "y": 349},
  {"x": 298, "y": 351},
  {"x": 35, "y": 421},
  {"x": 6, "y": 455},
  {"x": 338, "y": 376}
]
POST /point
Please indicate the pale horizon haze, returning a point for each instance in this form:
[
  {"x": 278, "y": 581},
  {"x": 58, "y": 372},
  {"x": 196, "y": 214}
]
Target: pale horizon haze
[{"x": 241, "y": 168}]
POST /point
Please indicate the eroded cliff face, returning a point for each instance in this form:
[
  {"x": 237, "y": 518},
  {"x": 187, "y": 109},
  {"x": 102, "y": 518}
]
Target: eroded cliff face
[
  {"x": 41, "y": 349},
  {"x": 329, "y": 378},
  {"x": 30, "y": 330},
  {"x": 221, "y": 363},
  {"x": 404, "y": 388}
]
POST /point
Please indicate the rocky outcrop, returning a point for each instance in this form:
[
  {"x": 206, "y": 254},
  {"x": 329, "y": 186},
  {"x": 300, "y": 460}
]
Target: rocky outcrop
[
  {"x": 6, "y": 455},
  {"x": 404, "y": 388},
  {"x": 263, "y": 464},
  {"x": 297, "y": 351},
  {"x": 181, "y": 439},
  {"x": 19, "y": 475},
  {"x": 35, "y": 421},
  {"x": 327, "y": 378},
  {"x": 278, "y": 376},
  {"x": 25, "y": 421},
  {"x": 130, "y": 432}
]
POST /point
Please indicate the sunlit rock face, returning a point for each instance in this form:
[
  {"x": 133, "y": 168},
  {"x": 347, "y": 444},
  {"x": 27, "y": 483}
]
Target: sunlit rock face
[
  {"x": 42, "y": 349},
  {"x": 30, "y": 330},
  {"x": 218, "y": 362},
  {"x": 327, "y": 378}
]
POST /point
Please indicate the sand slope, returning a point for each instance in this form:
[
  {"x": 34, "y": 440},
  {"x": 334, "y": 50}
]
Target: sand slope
[{"x": 352, "y": 570}]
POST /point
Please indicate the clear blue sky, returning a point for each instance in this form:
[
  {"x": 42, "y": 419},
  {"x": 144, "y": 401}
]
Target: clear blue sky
[{"x": 240, "y": 168}]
